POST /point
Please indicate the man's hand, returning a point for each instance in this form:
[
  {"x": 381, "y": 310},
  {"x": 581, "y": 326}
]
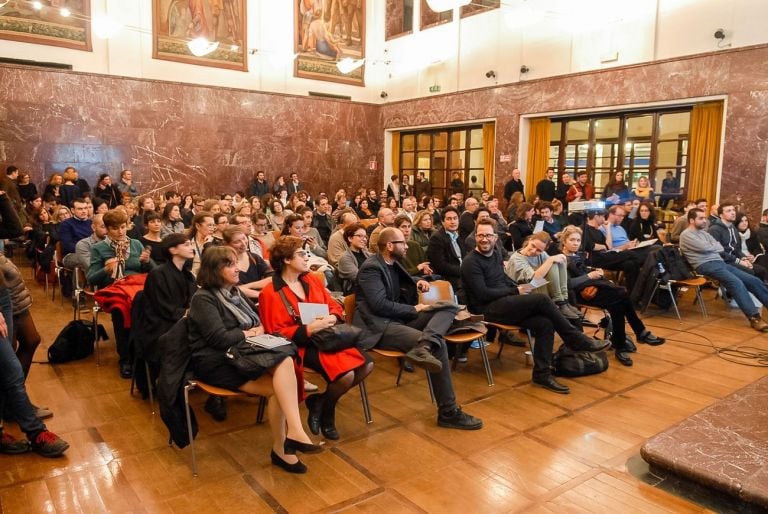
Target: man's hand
[
  {"x": 422, "y": 285},
  {"x": 524, "y": 288},
  {"x": 420, "y": 307},
  {"x": 424, "y": 268}
]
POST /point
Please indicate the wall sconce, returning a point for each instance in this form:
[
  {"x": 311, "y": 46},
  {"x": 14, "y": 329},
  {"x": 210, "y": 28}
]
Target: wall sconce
[
  {"x": 491, "y": 74},
  {"x": 524, "y": 69},
  {"x": 383, "y": 94}
]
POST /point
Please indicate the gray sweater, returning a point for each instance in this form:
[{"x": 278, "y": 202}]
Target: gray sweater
[{"x": 698, "y": 247}]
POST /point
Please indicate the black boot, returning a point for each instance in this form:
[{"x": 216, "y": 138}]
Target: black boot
[
  {"x": 216, "y": 406},
  {"x": 328, "y": 422}
]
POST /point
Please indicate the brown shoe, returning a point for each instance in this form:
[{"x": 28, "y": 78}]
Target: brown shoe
[{"x": 758, "y": 324}]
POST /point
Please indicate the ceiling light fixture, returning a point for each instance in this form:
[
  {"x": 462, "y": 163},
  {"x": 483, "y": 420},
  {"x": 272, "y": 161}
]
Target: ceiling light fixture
[
  {"x": 348, "y": 65},
  {"x": 446, "y": 5},
  {"x": 201, "y": 47}
]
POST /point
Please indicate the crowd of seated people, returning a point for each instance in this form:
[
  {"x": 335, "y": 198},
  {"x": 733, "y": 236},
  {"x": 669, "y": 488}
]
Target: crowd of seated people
[{"x": 238, "y": 265}]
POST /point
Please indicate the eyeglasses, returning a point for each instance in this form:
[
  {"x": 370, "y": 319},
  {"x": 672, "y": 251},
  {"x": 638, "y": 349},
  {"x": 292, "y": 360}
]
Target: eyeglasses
[
  {"x": 485, "y": 236},
  {"x": 400, "y": 241},
  {"x": 364, "y": 236}
]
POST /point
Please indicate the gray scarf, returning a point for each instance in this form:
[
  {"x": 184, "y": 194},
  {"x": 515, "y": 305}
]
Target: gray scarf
[{"x": 236, "y": 304}]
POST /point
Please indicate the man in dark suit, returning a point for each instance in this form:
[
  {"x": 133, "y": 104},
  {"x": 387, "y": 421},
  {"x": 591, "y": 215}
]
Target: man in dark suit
[
  {"x": 514, "y": 185},
  {"x": 294, "y": 186},
  {"x": 389, "y": 313},
  {"x": 545, "y": 189},
  {"x": 446, "y": 250},
  {"x": 260, "y": 186}
]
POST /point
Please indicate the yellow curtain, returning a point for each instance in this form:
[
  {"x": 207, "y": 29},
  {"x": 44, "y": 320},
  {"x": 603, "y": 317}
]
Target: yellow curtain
[
  {"x": 538, "y": 156},
  {"x": 704, "y": 150},
  {"x": 489, "y": 153},
  {"x": 395, "y": 155}
]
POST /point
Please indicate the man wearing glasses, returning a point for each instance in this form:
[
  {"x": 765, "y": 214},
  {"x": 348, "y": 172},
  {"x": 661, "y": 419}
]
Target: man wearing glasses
[
  {"x": 389, "y": 312},
  {"x": 500, "y": 299}
]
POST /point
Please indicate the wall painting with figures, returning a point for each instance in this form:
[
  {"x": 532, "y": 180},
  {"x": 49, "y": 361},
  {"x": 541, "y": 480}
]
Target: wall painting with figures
[
  {"x": 327, "y": 31},
  {"x": 51, "y": 22},
  {"x": 176, "y": 22}
]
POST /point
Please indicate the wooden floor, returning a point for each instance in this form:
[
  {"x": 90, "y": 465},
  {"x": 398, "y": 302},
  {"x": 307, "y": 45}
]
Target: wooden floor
[{"x": 538, "y": 452}]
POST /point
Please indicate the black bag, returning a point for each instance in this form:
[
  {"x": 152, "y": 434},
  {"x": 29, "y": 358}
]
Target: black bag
[
  {"x": 253, "y": 360},
  {"x": 330, "y": 340},
  {"x": 336, "y": 338},
  {"x": 568, "y": 363},
  {"x": 672, "y": 264},
  {"x": 74, "y": 342}
]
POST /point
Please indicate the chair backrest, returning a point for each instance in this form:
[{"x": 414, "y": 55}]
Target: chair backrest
[
  {"x": 439, "y": 290},
  {"x": 367, "y": 223},
  {"x": 277, "y": 234},
  {"x": 349, "y": 307}
]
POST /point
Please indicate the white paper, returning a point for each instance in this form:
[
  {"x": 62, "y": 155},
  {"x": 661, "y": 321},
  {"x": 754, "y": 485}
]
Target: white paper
[
  {"x": 646, "y": 243},
  {"x": 538, "y": 282},
  {"x": 309, "y": 312},
  {"x": 539, "y": 226},
  {"x": 267, "y": 341}
]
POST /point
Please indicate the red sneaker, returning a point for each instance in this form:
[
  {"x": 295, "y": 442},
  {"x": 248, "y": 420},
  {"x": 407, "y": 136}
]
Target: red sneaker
[
  {"x": 12, "y": 446},
  {"x": 49, "y": 444}
]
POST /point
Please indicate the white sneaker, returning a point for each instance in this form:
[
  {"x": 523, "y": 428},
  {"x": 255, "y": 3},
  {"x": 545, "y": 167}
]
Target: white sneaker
[{"x": 309, "y": 387}]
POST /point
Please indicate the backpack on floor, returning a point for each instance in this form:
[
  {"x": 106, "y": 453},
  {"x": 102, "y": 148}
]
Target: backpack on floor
[
  {"x": 568, "y": 363},
  {"x": 74, "y": 342}
]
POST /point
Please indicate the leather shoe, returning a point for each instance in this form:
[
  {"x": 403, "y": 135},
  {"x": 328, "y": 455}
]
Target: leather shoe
[
  {"x": 216, "y": 406},
  {"x": 588, "y": 344},
  {"x": 315, "y": 408},
  {"x": 407, "y": 366},
  {"x": 291, "y": 446},
  {"x": 648, "y": 338},
  {"x": 624, "y": 358},
  {"x": 420, "y": 356},
  {"x": 553, "y": 385},
  {"x": 126, "y": 370},
  {"x": 297, "y": 467},
  {"x": 568, "y": 312},
  {"x": 629, "y": 344},
  {"x": 329, "y": 430},
  {"x": 459, "y": 420}
]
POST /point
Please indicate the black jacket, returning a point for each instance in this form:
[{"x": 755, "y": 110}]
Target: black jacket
[
  {"x": 174, "y": 375},
  {"x": 444, "y": 261},
  {"x": 259, "y": 188},
  {"x": 729, "y": 238},
  {"x": 512, "y": 187},
  {"x": 545, "y": 190},
  {"x": 377, "y": 301}
]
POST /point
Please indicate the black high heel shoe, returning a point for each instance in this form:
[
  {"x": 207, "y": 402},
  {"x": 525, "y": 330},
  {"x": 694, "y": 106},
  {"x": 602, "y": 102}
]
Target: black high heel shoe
[
  {"x": 291, "y": 446},
  {"x": 298, "y": 467}
]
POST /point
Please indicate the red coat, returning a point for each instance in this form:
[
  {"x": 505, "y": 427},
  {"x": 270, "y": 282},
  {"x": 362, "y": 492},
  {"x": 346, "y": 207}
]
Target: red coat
[
  {"x": 587, "y": 192},
  {"x": 119, "y": 295},
  {"x": 276, "y": 318}
]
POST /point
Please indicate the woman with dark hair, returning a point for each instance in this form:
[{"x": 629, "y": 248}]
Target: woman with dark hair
[
  {"x": 52, "y": 190},
  {"x": 279, "y": 185},
  {"x": 220, "y": 317},
  {"x": 279, "y": 305},
  {"x": 199, "y": 234},
  {"x": 27, "y": 190},
  {"x": 350, "y": 261},
  {"x": 750, "y": 244},
  {"x": 616, "y": 191},
  {"x": 172, "y": 221},
  {"x": 522, "y": 227},
  {"x": 108, "y": 192},
  {"x": 255, "y": 203},
  {"x": 116, "y": 257},
  {"x": 100, "y": 205},
  {"x": 363, "y": 211},
  {"x": 276, "y": 214},
  {"x": 151, "y": 238},
  {"x": 644, "y": 226},
  {"x": 606, "y": 295}
]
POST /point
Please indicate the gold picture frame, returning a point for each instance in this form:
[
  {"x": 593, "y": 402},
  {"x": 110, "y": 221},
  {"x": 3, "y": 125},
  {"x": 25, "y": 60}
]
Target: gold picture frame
[
  {"x": 63, "y": 23},
  {"x": 321, "y": 39},
  {"x": 176, "y": 22}
]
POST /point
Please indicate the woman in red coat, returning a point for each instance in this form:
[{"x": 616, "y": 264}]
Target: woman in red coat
[{"x": 341, "y": 370}]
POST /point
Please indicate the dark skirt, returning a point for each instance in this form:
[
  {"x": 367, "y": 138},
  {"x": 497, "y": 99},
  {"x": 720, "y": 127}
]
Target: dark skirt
[
  {"x": 336, "y": 364},
  {"x": 215, "y": 369}
]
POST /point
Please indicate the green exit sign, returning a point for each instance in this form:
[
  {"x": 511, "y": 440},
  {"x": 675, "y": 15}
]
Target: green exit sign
[{"x": 434, "y": 89}]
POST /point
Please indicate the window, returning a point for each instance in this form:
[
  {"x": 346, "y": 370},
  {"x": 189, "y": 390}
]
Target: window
[
  {"x": 444, "y": 155},
  {"x": 640, "y": 144},
  {"x": 399, "y": 18}
]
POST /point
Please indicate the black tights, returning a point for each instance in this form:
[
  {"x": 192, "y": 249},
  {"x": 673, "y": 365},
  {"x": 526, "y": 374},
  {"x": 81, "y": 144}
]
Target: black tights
[
  {"x": 339, "y": 387},
  {"x": 25, "y": 333}
]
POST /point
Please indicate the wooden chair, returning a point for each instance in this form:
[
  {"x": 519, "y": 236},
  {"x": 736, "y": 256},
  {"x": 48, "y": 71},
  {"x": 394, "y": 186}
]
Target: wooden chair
[
  {"x": 215, "y": 391},
  {"x": 277, "y": 234},
  {"x": 441, "y": 290},
  {"x": 503, "y": 326},
  {"x": 349, "y": 313},
  {"x": 367, "y": 223}
]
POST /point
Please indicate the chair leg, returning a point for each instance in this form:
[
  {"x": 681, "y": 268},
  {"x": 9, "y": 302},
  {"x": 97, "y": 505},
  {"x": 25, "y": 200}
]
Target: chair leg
[
  {"x": 674, "y": 302},
  {"x": 650, "y": 299},
  {"x": 431, "y": 389},
  {"x": 95, "y": 318},
  {"x": 149, "y": 386},
  {"x": 486, "y": 362},
  {"x": 364, "y": 399},
  {"x": 500, "y": 342},
  {"x": 701, "y": 303},
  {"x": 261, "y": 409},
  {"x": 399, "y": 372},
  {"x": 187, "y": 387}
]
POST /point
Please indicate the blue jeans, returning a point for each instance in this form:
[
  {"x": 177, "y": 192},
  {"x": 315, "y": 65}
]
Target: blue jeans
[
  {"x": 14, "y": 394},
  {"x": 738, "y": 283}
]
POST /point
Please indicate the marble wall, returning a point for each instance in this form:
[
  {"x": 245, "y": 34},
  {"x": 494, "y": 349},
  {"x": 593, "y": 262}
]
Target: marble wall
[
  {"x": 742, "y": 75},
  {"x": 178, "y": 136}
]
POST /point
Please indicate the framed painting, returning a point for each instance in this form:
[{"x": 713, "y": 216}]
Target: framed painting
[
  {"x": 326, "y": 32},
  {"x": 62, "y": 23},
  {"x": 222, "y": 23}
]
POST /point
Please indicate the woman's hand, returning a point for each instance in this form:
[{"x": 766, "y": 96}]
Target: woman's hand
[
  {"x": 321, "y": 323},
  {"x": 596, "y": 274},
  {"x": 254, "y": 331},
  {"x": 110, "y": 264}
]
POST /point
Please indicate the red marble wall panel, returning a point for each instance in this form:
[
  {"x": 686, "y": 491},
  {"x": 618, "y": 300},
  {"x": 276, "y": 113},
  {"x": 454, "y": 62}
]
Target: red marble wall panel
[
  {"x": 741, "y": 75},
  {"x": 178, "y": 136}
]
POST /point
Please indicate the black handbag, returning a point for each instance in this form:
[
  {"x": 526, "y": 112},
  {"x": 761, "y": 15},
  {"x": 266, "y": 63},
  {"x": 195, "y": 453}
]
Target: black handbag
[
  {"x": 330, "y": 340},
  {"x": 253, "y": 360}
]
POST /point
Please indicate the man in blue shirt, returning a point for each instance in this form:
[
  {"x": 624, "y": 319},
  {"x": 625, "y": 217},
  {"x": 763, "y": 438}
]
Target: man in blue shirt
[{"x": 73, "y": 229}]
